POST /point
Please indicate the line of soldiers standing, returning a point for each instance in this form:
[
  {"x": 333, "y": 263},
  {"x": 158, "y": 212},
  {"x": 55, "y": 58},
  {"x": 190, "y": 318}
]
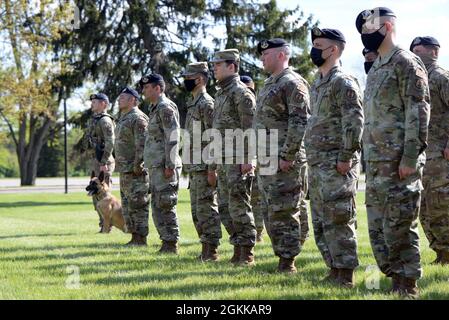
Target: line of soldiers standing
[{"x": 320, "y": 131}]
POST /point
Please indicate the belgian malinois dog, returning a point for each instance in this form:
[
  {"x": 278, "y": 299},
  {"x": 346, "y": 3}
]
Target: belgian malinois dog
[{"x": 107, "y": 205}]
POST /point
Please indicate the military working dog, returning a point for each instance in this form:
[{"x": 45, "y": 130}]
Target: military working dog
[{"x": 107, "y": 205}]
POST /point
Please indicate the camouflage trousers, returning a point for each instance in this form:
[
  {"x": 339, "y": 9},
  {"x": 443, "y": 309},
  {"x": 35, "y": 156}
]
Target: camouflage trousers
[
  {"x": 234, "y": 201},
  {"x": 434, "y": 213},
  {"x": 332, "y": 200},
  {"x": 204, "y": 206},
  {"x": 393, "y": 206},
  {"x": 164, "y": 198},
  {"x": 135, "y": 204},
  {"x": 303, "y": 205},
  {"x": 260, "y": 210},
  {"x": 283, "y": 193},
  {"x": 95, "y": 166}
]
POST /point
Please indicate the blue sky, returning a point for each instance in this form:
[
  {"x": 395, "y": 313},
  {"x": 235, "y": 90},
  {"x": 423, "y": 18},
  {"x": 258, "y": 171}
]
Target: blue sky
[{"x": 415, "y": 18}]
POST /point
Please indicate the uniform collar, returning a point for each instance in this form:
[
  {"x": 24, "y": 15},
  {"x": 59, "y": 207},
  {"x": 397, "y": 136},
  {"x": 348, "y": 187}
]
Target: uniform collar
[
  {"x": 97, "y": 115},
  {"x": 130, "y": 112},
  {"x": 322, "y": 80},
  {"x": 161, "y": 98},
  {"x": 383, "y": 61},
  {"x": 223, "y": 85},
  {"x": 194, "y": 101},
  {"x": 432, "y": 66},
  {"x": 276, "y": 78}
]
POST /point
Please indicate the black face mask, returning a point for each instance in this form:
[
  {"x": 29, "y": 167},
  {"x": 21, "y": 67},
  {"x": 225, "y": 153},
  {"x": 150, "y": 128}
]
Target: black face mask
[
  {"x": 316, "y": 56},
  {"x": 189, "y": 84},
  {"x": 372, "y": 41},
  {"x": 368, "y": 66}
]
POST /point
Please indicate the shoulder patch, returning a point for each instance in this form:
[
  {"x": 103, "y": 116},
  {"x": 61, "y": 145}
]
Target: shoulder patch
[
  {"x": 351, "y": 94},
  {"x": 167, "y": 114},
  {"x": 420, "y": 73}
]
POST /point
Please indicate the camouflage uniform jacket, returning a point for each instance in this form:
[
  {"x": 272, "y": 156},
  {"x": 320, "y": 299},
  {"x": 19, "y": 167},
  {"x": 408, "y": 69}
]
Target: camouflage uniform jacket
[
  {"x": 200, "y": 113},
  {"x": 439, "y": 115},
  {"x": 102, "y": 135},
  {"x": 233, "y": 109},
  {"x": 130, "y": 140},
  {"x": 163, "y": 135},
  {"x": 283, "y": 104},
  {"x": 334, "y": 130},
  {"x": 396, "y": 109}
]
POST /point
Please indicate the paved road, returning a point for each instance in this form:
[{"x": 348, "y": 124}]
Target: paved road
[{"x": 56, "y": 185}]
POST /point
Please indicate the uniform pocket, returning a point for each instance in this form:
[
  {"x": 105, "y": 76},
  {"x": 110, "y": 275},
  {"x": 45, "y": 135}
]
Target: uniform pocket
[
  {"x": 168, "y": 199},
  {"x": 344, "y": 211}
]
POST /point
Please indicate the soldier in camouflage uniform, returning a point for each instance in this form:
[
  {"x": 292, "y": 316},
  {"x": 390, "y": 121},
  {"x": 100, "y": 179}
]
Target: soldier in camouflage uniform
[
  {"x": 434, "y": 214},
  {"x": 100, "y": 138},
  {"x": 203, "y": 192},
  {"x": 129, "y": 144},
  {"x": 283, "y": 105},
  {"x": 333, "y": 139},
  {"x": 162, "y": 160},
  {"x": 258, "y": 203},
  {"x": 396, "y": 106},
  {"x": 234, "y": 109}
]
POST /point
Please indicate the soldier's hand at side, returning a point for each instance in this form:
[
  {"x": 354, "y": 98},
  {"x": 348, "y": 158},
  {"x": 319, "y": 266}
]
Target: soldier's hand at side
[
  {"x": 246, "y": 168},
  {"x": 404, "y": 172},
  {"x": 104, "y": 168},
  {"x": 212, "y": 178},
  {"x": 168, "y": 173},
  {"x": 285, "y": 165},
  {"x": 344, "y": 167},
  {"x": 446, "y": 153}
]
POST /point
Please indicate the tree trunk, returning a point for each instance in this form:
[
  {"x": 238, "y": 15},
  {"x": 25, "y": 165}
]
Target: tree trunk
[{"x": 29, "y": 155}]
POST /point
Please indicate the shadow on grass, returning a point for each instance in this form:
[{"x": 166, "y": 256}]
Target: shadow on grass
[
  {"x": 39, "y": 204},
  {"x": 36, "y": 235},
  {"x": 164, "y": 276}
]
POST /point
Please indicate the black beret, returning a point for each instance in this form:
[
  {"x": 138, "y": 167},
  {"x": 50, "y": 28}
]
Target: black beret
[
  {"x": 367, "y": 15},
  {"x": 131, "y": 91},
  {"x": 272, "y": 43},
  {"x": 151, "y": 78},
  {"x": 365, "y": 51},
  {"x": 332, "y": 34},
  {"x": 424, "y": 41},
  {"x": 246, "y": 79},
  {"x": 99, "y": 96}
]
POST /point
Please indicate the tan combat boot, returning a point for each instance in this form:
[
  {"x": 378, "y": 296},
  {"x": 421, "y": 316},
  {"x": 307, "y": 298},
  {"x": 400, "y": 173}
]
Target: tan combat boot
[
  {"x": 169, "y": 247},
  {"x": 204, "y": 249},
  {"x": 409, "y": 288},
  {"x": 137, "y": 240},
  {"x": 236, "y": 257},
  {"x": 247, "y": 256},
  {"x": 212, "y": 253},
  {"x": 287, "y": 265},
  {"x": 346, "y": 278},
  {"x": 332, "y": 275}
]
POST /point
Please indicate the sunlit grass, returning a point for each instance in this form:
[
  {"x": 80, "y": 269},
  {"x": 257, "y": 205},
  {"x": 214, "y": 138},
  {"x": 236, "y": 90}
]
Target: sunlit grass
[{"x": 45, "y": 238}]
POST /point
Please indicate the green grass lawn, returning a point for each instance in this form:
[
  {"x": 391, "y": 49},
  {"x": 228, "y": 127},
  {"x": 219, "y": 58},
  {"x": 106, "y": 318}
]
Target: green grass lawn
[{"x": 45, "y": 239}]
